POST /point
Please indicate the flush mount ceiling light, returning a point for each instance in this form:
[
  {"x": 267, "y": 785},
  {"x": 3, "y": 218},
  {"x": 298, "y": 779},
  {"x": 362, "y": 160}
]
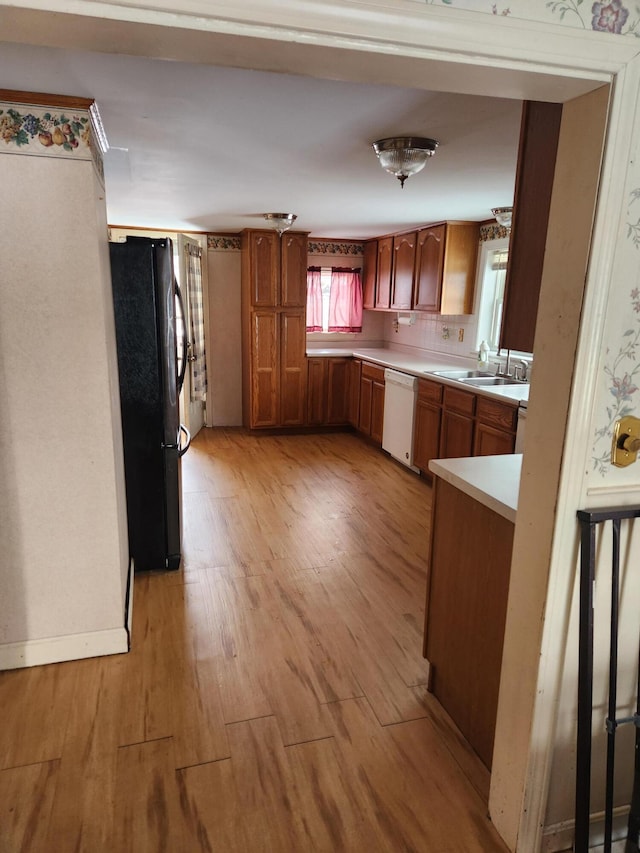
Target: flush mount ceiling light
[
  {"x": 404, "y": 155},
  {"x": 503, "y": 216},
  {"x": 281, "y": 221}
]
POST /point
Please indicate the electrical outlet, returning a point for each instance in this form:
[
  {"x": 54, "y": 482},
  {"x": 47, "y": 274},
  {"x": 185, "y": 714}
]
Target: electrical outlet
[
  {"x": 445, "y": 333},
  {"x": 460, "y": 335}
]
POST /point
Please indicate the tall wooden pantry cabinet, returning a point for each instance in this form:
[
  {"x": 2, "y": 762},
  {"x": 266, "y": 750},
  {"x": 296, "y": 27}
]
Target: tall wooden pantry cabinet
[{"x": 274, "y": 295}]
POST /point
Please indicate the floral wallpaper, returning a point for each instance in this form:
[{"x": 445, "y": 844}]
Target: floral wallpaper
[
  {"x": 621, "y": 368},
  {"x": 619, "y": 17}
]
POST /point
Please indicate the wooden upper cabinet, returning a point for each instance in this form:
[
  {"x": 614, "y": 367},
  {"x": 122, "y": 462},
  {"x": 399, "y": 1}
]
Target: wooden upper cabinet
[
  {"x": 385, "y": 264},
  {"x": 445, "y": 267},
  {"x": 429, "y": 263},
  {"x": 404, "y": 252},
  {"x": 263, "y": 254},
  {"x": 369, "y": 274},
  {"x": 294, "y": 270},
  {"x": 539, "y": 133}
]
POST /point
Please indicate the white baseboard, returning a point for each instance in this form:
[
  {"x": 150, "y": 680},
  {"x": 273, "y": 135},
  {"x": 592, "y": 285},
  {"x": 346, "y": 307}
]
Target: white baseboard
[
  {"x": 70, "y": 647},
  {"x": 558, "y": 838}
]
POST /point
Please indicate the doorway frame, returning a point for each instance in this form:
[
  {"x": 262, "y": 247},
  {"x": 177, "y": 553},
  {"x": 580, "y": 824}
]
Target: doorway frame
[{"x": 405, "y": 43}]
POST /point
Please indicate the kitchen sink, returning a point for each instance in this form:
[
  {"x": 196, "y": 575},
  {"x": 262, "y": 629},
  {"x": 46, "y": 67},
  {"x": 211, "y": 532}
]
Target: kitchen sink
[
  {"x": 460, "y": 374},
  {"x": 483, "y": 381}
]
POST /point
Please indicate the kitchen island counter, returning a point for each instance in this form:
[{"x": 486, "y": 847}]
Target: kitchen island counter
[
  {"x": 493, "y": 481},
  {"x": 472, "y": 526}
]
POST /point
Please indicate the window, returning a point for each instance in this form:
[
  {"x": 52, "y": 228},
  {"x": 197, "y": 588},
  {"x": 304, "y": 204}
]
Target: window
[
  {"x": 334, "y": 300},
  {"x": 492, "y": 274}
]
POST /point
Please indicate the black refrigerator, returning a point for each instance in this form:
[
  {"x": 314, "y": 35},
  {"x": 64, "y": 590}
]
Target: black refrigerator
[{"x": 151, "y": 363}]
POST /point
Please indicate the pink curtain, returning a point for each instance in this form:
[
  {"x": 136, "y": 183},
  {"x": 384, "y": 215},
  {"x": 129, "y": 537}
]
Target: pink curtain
[
  {"x": 345, "y": 301},
  {"x": 314, "y": 300}
]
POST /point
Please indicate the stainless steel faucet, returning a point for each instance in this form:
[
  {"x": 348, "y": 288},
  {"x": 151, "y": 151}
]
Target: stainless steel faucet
[
  {"x": 520, "y": 370},
  {"x": 507, "y": 366}
]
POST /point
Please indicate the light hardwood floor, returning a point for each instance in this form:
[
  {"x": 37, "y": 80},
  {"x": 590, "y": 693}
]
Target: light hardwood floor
[{"x": 274, "y": 698}]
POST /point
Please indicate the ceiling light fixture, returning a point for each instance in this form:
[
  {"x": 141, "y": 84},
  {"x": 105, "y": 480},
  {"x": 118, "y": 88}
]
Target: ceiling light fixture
[
  {"x": 281, "y": 221},
  {"x": 503, "y": 216},
  {"x": 404, "y": 155}
]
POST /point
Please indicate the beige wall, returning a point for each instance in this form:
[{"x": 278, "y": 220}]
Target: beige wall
[
  {"x": 63, "y": 540},
  {"x": 224, "y": 347}
]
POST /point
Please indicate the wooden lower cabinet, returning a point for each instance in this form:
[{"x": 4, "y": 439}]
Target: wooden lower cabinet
[
  {"x": 426, "y": 435},
  {"x": 489, "y": 441},
  {"x": 355, "y": 371},
  {"x": 451, "y": 422},
  {"x": 328, "y": 391},
  {"x": 377, "y": 411},
  {"x": 265, "y": 376},
  {"x": 496, "y": 424},
  {"x": 456, "y": 437},
  {"x": 469, "y": 570},
  {"x": 371, "y": 410},
  {"x": 278, "y": 369},
  {"x": 316, "y": 391},
  {"x": 337, "y": 391},
  {"x": 293, "y": 374}
]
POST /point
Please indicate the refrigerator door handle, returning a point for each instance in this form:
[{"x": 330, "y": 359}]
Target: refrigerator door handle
[
  {"x": 182, "y": 449},
  {"x": 185, "y": 344}
]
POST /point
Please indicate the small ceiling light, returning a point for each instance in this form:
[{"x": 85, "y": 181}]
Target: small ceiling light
[
  {"x": 404, "y": 155},
  {"x": 281, "y": 221},
  {"x": 503, "y": 216}
]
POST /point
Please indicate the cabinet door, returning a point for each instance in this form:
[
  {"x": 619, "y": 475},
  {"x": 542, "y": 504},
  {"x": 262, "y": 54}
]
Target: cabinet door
[
  {"x": 264, "y": 373},
  {"x": 316, "y": 391},
  {"x": 404, "y": 253},
  {"x": 337, "y": 390},
  {"x": 429, "y": 265},
  {"x": 369, "y": 272},
  {"x": 364, "y": 416},
  {"x": 264, "y": 268},
  {"x": 539, "y": 133},
  {"x": 383, "y": 279},
  {"x": 457, "y": 435},
  {"x": 426, "y": 440},
  {"x": 377, "y": 411},
  {"x": 294, "y": 270},
  {"x": 355, "y": 369},
  {"x": 459, "y": 271},
  {"x": 293, "y": 369},
  {"x": 489, "y": 441}
]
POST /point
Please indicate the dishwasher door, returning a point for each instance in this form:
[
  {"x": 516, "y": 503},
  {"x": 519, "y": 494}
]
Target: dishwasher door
[{"x": 400, "y": 394}]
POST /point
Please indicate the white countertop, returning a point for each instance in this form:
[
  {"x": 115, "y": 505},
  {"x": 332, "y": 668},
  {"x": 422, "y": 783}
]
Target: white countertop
[
  {"x": 493, "y": 481},
  {"x": 422, "y": 365}
]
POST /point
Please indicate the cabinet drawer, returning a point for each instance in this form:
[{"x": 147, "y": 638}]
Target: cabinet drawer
[
  {"x": 429, "y": 392},
  {"x": 459, "y": 401},
  {"x": 370, "y": 371},
  {"x": 500, "y": 415}
]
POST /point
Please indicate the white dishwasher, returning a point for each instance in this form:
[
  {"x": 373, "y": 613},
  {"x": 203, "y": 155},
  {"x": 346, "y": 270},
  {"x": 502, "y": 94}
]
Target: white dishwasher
[{"x": 400, "y": 394}]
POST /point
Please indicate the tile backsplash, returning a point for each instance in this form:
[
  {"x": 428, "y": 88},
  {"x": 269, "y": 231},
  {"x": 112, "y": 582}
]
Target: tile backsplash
[{"x": 428, "y": 333}]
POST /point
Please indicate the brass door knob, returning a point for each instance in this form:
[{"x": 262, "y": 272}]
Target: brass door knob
[{"x": 626, "y": 441}]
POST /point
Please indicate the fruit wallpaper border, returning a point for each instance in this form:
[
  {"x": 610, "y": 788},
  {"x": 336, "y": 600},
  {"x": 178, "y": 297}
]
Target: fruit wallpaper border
[{"x": 48, "y": 132}]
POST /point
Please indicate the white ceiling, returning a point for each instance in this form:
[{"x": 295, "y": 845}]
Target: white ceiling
[{"x": 197, "y": 147}]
